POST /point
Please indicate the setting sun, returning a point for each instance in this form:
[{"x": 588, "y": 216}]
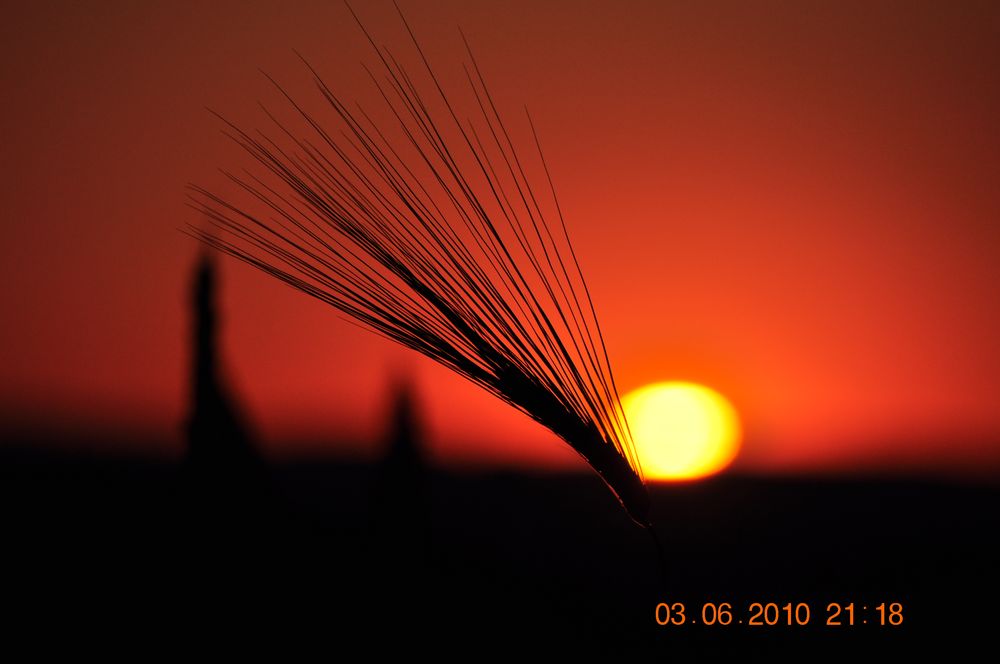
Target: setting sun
[{"x": 681, "y": 430}]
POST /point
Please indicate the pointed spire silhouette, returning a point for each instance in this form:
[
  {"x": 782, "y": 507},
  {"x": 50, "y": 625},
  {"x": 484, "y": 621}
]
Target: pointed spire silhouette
[
  {"x": 404, "y": 454},
  {"x": 217, "y": 434},
  {"x": 222, "y": 468},
  {"x": 400, "y": 517}
]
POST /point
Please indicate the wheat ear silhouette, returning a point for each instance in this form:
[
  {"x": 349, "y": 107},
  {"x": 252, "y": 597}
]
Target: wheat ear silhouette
[{"x": 428, "y": 230}]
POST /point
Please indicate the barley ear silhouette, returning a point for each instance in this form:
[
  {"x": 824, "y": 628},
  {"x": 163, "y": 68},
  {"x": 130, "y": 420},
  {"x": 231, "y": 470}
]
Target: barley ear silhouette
[{"x": 431, "y": 229}]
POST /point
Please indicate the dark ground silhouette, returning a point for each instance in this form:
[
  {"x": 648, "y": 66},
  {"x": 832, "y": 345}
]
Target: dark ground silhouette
[
  {"x": 224, "y": 554},
  {"x": 99, "y": 549}
]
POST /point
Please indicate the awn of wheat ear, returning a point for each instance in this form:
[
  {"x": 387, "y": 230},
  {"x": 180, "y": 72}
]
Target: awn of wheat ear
[{"x": 430, "y": 228}]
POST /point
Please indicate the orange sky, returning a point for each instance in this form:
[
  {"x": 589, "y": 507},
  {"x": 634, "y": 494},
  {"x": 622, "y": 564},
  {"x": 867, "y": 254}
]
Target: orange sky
[{"x": 794, "y": 203}]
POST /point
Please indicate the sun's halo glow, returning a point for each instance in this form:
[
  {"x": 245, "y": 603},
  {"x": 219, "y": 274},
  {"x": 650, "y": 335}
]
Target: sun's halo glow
[{"x": 681, "y": 430}]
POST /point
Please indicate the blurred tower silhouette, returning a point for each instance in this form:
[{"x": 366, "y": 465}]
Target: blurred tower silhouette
[
  {"x": 400, "y": 518},
  {"x": 404, "y": 458},
  {"x": 222, "y": 467}
]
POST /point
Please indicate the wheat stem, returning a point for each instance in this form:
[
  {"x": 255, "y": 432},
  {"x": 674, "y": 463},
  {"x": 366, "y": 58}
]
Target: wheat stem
[{"x": 427, "y": 229}]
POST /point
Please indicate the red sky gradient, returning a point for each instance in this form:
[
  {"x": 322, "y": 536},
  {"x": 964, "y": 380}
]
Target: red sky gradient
[{"x": 794, "y": 203}]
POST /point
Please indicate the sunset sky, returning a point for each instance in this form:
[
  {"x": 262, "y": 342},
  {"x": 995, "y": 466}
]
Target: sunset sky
[{"x": 796, "y": 204}]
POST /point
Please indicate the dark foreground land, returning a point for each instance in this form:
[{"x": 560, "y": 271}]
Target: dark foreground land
[{"x": 139, "y": 558}]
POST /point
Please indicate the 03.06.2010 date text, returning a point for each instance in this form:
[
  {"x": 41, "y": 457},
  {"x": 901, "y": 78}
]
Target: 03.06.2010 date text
[{"x": 771, "y": 614}]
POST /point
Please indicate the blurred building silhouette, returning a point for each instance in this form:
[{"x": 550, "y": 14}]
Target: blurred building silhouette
[
  {"x": 400, "y": 517},
  {"x": 222, "y": 469}
]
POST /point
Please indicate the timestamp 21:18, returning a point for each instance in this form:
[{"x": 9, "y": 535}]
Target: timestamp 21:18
[{"x": 769, "y": 614}]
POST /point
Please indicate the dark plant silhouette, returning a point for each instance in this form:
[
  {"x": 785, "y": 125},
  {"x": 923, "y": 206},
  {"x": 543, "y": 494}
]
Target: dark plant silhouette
[{"x": 434, "y": 231}]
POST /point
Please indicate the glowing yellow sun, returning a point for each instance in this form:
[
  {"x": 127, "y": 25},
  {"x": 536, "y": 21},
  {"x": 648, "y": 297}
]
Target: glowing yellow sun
[{"x": 682, "y": 430}]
